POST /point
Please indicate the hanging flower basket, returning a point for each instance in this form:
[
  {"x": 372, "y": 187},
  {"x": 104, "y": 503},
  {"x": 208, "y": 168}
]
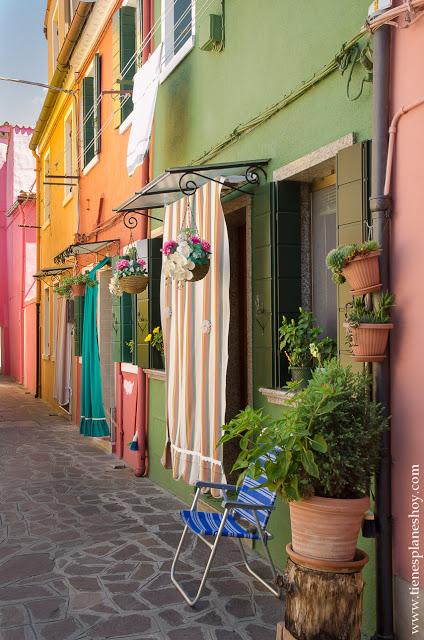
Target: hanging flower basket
[
  {"x": 363, "y": 273},
  {"x": 187, "y": 257},
  {"x": 130, "y": 275}
]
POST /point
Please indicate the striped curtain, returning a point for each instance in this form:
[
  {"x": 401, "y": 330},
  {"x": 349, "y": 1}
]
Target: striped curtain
[{"x": 195, "y": 322}]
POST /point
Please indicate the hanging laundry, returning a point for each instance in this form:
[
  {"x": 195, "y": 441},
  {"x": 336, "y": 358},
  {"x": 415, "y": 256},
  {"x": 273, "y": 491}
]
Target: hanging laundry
[{"x": 146, "y": 83}]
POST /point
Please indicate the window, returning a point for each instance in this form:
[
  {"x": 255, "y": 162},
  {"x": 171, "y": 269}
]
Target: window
[
  {"x": 68, "y": 129},
  {"x": 124, "y": 59},
  {"x": 46, "y": 322},
  {"x": 177, "y": 31},
  {"x": 54, "y": 300},
  {"x": 91, "y": 111},
  {"x": 46, "y": 189},
  {"x": 55, "y": 37}
]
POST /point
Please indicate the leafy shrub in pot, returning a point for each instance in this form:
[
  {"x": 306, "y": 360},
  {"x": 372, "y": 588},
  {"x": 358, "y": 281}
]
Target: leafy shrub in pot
[
  {"x": 299, "y": 340},
  {"x": 73, "y": 285},
  {"x": 358, "y": 264},
  {"x": 368, "y": 329},
  {"x": 327, "y": 449}
]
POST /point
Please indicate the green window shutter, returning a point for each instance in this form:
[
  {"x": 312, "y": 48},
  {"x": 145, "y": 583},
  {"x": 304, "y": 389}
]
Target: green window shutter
[
  {"x": 142, "y": 319},
  {"x": 126, "y": 326},
  {"x": 97, "y": 101},
  {"x": 127, "y": 58},
  {"x": 352, "y": 213},
  {"x": 116, "y": 66},
  {"x": 155, "y": 269},
  {"x": 285, "y": 266},
  {"x": 116, "y": 324},
  {"x": 78, "y": 324},
  {"x": 88, "y": 126}
]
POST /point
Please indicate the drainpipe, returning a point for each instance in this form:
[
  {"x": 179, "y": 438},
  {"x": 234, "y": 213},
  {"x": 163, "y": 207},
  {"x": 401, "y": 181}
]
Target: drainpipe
[
  {"x": 37, "y": 282},
  {"x": 143, "y": 383},
  {"x": 119, "y": 436},
  {"x": 380, "y": 208}
]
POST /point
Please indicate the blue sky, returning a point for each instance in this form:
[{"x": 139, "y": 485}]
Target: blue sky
[{"x": 23, "y": 54}]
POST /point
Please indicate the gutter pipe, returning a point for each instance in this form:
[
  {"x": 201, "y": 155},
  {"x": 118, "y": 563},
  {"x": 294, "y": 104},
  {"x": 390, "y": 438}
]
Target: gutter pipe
[
  {"x": 380, "y": 209},
  {"x": 37, "y": 283},
  {"x": 143, "y": 383},
  {"x": 62, "y": 68}
]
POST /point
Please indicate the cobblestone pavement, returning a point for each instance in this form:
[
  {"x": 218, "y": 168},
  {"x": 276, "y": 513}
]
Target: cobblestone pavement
[{"x": 86, "y": 550}]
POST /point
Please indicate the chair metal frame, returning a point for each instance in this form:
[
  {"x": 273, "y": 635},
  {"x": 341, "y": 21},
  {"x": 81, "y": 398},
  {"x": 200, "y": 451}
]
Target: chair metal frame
[{"x": 229, "y": 506}]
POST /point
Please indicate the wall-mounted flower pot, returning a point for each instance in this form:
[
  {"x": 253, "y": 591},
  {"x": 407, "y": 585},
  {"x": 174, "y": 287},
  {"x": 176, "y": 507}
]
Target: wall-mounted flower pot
[
  {"x": 199, "y": 272},
  {"x": 369, "y": 341},
  {"x": 78, "y": 290},
  {"x": 363, "y": 273},
  {"x": 301, "y": 375},
  {"x": 327, "y": 528},
  {"x": 133, "y": 284}
]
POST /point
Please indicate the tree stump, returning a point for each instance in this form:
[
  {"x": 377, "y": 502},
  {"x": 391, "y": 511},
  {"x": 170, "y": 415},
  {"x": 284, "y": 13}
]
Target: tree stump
[{"x": 323, "y": 601}]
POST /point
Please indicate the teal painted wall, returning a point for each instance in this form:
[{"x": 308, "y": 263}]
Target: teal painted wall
[{"x": 271, "y": 47}]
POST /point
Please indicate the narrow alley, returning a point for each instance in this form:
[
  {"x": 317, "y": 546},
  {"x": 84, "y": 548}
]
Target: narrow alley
[{"x": 86, "y": 548}]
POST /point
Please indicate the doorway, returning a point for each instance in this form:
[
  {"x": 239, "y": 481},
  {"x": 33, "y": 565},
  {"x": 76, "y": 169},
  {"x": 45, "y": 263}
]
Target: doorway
[{"x": 107, "y": 367}]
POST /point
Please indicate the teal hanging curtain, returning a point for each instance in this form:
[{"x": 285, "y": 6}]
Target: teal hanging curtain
[{"x": 93, "y": 422}]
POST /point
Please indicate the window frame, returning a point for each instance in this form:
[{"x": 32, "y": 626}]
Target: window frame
[
  {"x": 169, "y": 66},
  {"x": 68, "y": 189},
  {"x": 92, "y": 72},
  {"x": 46, "y": 322},
  {"x": 46, "y": 190}
]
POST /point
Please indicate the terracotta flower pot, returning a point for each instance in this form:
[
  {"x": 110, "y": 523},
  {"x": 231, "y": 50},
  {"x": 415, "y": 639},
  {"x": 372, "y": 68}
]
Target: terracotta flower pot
[
  {"x": 134, "y": 284},
  {"x": 327, "y": 528},
  {"x": 78, "y": 290},
  {"x": 369, "y": 341},
  {"x": 363, "y": 273}
]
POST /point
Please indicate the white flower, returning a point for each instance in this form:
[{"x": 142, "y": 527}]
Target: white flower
[
  {"x": 114, "y": 287},
  {"x": 184, "y": 249}
]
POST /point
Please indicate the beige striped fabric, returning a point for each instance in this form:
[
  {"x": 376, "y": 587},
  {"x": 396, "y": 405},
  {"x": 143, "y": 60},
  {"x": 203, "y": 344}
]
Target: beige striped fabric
[{"x": 195, "y": 322}]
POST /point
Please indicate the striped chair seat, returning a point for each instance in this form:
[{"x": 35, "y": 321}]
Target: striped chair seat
[{"x": 207, "y": 524}]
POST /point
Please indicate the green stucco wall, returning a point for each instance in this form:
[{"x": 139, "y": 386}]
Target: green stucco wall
[{"x": 270, "y": 48}]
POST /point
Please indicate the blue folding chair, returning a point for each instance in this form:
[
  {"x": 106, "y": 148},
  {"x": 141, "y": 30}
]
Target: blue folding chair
[{"x": 252, "y": 506}]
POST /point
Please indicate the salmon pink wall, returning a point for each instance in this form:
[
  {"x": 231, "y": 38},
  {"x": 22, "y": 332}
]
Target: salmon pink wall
[{"x": 407, "y": 342}]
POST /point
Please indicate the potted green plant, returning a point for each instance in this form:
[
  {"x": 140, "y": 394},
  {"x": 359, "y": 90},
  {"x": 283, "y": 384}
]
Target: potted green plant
[
  {"x": 358, "y": 264},
  {"x": 368, "y": 329},
  {"x": 296, "y": 337},
  {"x": 326, "y": 448},
  {"x": 74, "y": 285}
]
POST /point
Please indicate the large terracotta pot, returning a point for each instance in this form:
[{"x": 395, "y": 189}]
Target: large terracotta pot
[
  {"x": 78, "y": 290},
  {"x": 369, "y": 341},
  {"x": 327, "y": 528},
  {"x": 363, "y": 273}
]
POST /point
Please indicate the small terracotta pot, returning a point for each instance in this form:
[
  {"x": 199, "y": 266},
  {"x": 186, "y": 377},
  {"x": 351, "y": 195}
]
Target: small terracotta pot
[
  {"x": 327, "y": 528},
  {"x": 78, "y": 290},
  {"x": 369, "y": 341},
  {"x": 363, "y": 273}
]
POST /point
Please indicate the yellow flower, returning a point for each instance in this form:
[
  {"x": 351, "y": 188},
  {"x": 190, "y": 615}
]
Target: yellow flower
[
  {"x": 156, "y": 330},
  {"x": 148, "y": 338}
]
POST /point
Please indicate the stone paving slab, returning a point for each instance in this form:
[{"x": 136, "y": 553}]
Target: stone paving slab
[{"x": 86, "y": 549}]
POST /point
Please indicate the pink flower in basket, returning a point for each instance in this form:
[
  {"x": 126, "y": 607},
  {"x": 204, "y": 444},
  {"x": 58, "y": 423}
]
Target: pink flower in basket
[
  {"x": 169, "y": 247},
  {"x": 141, "y": 262},
  {"x": 206, "y": 246},
  {"x": 122, "y": 264}
]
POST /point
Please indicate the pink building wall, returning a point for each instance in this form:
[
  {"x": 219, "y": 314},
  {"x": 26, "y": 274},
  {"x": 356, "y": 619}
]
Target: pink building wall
[
  {"x": 17, "y": 255},
  {"x": 407, "y": 342}
]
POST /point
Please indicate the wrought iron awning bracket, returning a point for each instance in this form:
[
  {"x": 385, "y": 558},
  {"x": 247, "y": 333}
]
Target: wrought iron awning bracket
[
  {"x": 130, "y": 221},
  {"x": 68, "y": 253},
  {"x": 251, "y": 175}
]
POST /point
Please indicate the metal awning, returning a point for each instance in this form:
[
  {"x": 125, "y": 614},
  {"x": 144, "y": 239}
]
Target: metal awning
[
  {"x": 179, "y": 181},
  {"x": 83, "y": 248},
  {"x": 51, "y": 271}
]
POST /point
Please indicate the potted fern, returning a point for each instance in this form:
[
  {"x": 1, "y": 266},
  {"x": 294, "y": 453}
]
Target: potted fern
[
  {"x": 358, "y": 264},
  {"x": 368, "y": 329},
  {"x": 325, "y": 451}
]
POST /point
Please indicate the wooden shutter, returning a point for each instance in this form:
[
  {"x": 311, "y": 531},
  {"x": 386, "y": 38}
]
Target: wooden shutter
[
  {"x": 78, "y": 324},
  {"x": 97, "y": 101},
  {"x": 155, "y": 268},
  {"x": 285, "y": 255},
  {"x": 352, "y": 213},
  {"x": 123, "y": 49},
  {"x": 142, "y": 319},
  {"x": 88, "y": 120}
]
